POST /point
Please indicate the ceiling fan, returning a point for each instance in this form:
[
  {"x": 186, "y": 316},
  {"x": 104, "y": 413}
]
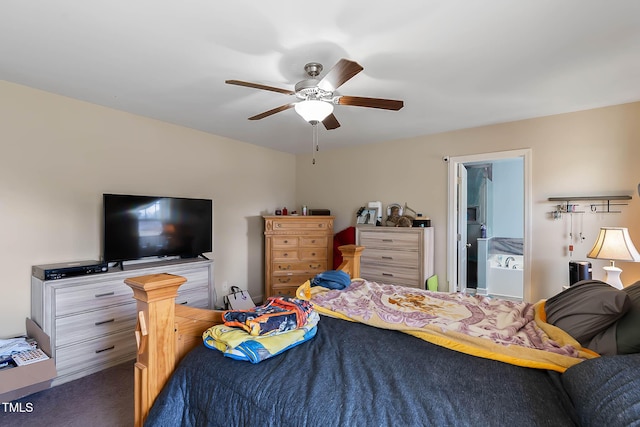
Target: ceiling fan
[{"x": 317, "y": 96}]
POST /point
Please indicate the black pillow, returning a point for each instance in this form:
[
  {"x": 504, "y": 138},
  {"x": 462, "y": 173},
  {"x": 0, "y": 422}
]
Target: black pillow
[
  {"x": 586, "y": 309},
  {"x": 605, "y": 343},
  {"x": 628, "y": 327}
]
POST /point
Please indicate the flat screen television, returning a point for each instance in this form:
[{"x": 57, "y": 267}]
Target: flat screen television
[{"x": 137, "y": 227}]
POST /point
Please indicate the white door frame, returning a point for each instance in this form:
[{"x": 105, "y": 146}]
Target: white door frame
[
  {"x": 461, "y": 236},
  {"x": 452, "y": 222}
]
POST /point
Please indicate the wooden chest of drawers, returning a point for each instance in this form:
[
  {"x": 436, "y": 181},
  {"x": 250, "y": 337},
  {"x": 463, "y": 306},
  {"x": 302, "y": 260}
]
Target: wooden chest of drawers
[
  {"x": 91, "y": 319},
  {"x": 296, "y": 249},
  {"x": 396, "y": 255}
]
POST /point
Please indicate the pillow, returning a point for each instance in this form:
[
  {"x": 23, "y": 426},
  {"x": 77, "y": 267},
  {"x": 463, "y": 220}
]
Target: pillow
[
  {"x": 628, "y": 327},
  {"x": 605, "y": 391},
  {"x": 605, "y": 343},
  {"x": 586, "y": 309}
]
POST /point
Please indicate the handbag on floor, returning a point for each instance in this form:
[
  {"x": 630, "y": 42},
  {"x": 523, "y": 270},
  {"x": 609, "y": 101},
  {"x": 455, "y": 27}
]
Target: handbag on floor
[{"x": 238, "y": 299}]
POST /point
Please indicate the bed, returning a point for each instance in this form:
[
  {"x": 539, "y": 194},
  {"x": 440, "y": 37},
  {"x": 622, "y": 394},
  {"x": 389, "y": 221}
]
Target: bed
[{"x": 354, "y": 373}]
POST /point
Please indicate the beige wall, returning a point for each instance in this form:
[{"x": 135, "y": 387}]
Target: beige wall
[
  {"x": 591, "y": 152},
  {"x": 59, "y": 155}
]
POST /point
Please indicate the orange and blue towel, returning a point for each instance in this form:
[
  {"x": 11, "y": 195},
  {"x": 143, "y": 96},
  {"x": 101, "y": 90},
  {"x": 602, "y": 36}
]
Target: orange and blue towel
[
  {"x": 278, "y": 315},
  {"x": 238, "y": 344}
]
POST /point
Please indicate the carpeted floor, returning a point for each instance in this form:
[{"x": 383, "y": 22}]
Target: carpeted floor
[{"x": 101, "y": 399}]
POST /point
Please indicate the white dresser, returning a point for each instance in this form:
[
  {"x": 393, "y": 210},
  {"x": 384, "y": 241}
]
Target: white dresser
[
  {"x": 91, "y": 319},
  {"x": 396, "y": 255}
]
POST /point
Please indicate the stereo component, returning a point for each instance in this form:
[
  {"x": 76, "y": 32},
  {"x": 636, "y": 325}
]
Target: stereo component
[{"x": 68, "y": 269}]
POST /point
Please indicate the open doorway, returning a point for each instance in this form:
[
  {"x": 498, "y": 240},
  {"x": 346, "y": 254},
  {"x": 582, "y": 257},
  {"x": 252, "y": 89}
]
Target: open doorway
[
  {"x": 490, "y": 193},
  {"x": 479, "y": 218}
]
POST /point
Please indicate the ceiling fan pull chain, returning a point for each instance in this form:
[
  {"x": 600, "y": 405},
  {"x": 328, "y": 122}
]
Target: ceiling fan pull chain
[{"x": 314, "y": 141}]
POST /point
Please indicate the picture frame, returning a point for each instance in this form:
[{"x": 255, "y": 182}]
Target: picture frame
[{"x": 367, "y": 217}]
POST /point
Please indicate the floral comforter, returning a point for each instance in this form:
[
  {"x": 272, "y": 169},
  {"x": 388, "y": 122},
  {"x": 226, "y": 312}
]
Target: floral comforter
[{"x": 503, "y": 330}]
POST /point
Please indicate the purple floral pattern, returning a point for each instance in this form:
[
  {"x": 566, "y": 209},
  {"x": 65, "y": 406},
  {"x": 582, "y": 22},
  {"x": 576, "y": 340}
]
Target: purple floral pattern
[{"x": 502, "y": 321}]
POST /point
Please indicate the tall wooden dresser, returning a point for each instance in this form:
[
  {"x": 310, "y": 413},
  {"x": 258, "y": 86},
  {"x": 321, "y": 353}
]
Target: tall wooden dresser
[
  {"x": 296, "y": 249},
  {"x": 396, "y": 255}
]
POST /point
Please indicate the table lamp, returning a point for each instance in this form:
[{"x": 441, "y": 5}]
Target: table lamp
[{"x": 614, "y": 244}]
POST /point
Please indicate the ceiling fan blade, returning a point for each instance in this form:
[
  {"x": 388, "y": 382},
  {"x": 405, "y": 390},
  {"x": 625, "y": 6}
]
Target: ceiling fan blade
[
  {"x": 358, "y": 101},
  {"x": 339, "y": 74},
  {"x": 271, "y": 112},
  {"x": 259, "y": 86},
  {"x": 330, "y": 122}
]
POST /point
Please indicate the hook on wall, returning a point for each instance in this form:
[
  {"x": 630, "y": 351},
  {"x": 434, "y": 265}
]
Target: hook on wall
[{"x": 605, "y": 204}]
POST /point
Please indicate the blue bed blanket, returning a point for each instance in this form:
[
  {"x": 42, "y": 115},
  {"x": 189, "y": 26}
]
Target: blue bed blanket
[{"x": 353, "y": 374}]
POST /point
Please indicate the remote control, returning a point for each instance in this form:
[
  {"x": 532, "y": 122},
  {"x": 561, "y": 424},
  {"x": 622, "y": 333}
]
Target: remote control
[{"x": 29, "y": 356}]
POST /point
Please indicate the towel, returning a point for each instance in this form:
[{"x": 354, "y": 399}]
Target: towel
[
  {"x": 238, "y": 344},
  {"x": 278, "y": 315}
]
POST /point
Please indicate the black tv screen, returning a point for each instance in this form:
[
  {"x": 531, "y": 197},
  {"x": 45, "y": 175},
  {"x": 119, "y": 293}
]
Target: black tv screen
[{"x": 138, "y": 227}]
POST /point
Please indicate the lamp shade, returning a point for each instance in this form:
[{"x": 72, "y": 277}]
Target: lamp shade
[
  {"x": 614, "y": 243},
  {"x": 313, "y": 110}
]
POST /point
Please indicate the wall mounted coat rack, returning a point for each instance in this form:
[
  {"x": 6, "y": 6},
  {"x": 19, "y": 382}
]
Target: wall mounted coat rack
[{"x": 603, "y": 205}]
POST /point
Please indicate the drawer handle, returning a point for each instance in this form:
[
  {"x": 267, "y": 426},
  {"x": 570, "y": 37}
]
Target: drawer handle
[
  {"x": 105, "y": 294},
  {"x": 313, "y": 254},
  {"x": 104, "y": 321},
  {"x": 387, "y": 274},
  {"x": 285, "y": 281},
  {"x": 288, "y": 267},
  {"x": 315, "y": 267},
  {"x": 286, "y": 241},
  {"x": 184, "y": 303},
  {"x": 387, "y": 257},
  {"x": 105, "y": 349},
  {"x": 286, "y": 254},
  {"x": 313, "y": 241},
  {"x": 388, "y": 240}
]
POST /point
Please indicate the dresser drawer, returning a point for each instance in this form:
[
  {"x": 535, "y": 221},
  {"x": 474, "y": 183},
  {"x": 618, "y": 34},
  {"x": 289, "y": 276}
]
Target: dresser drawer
[
  {"x": 301, "y": 224},
  {"x": 194, "y": 298},
  {"x": 392, "y": 275},
  {"x": 313, "y": 253},
  {"x": 195, "y": 280},
  {"x": 74, "y": 299},
  {"x": 284, "y": 242},
  {"x": 289, "y": 289},
  {"x": 313, "y": 241},
  {"x": 394, "y": 281},
  {"x": 92, "y": 324},
  {"x": 286, "y": 291},
  {"x": 286, "y": 280},
  {"x": 316, "y": 266},
  {"x": 409, "y": 259},
  {"x": 96, "y": 351},
  {"x": 284, "y": 254},
  {"x": 389, "y": 240}
]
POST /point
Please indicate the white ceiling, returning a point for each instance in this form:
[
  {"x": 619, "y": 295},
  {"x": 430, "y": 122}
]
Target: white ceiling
[{"x": 455, "y": 63}]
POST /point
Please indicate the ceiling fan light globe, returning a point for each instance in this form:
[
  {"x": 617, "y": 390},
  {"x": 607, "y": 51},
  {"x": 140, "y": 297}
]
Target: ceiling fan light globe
[{"x": 313, "y": 110}]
